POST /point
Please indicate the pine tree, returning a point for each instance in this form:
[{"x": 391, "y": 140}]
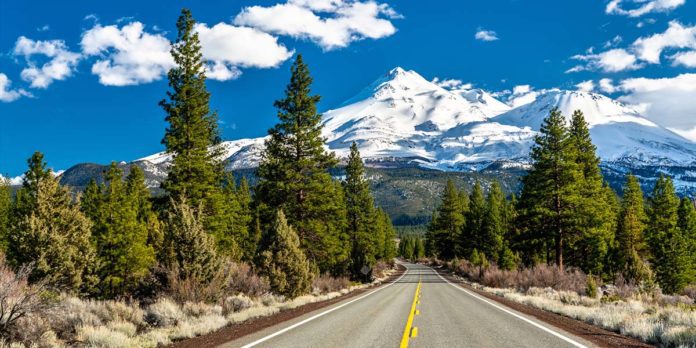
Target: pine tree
[
  {"x": 446, "y": 225},
  {"x": 687, "y": 224},
  {"x": 418, "y": 249},
  {"x": 5, "y": 208},
  {"x": 195, "y": 172},
  {"x": 388, "y": 236},
  {"x": 284, "y": 263},
  {"x": 244, "y": 225},
  {"x": 141, "y": 196},
  {"x": 293, "y": 176},
  {"x": 51, "y": 233},
  {"x": 124, "y": 257},
  {"x": 550, "y": 192},
  {"x": 669, "y": 254},
  {"x": 631, "y": 249},
  {"x": 361, "y": 216},
  {"x": 493, "y": 226},
  {"x": 25, "y": 200},
  {"x": 188, "y": 249},
  {"x": 594, "y": 218},
  {"x": 473, "y": 236}
]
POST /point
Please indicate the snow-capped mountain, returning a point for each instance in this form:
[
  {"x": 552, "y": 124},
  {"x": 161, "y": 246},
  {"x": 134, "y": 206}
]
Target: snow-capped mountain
[
  {"x": 620, "y": 133},
  {"x": 404, "y": 118}
]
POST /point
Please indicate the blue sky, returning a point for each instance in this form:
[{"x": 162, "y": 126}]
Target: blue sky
[{"x": 81, "y": 82}]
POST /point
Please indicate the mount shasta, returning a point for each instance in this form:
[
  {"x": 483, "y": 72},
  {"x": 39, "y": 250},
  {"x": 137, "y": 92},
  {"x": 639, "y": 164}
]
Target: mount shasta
[{"x": 402, "y": 120}]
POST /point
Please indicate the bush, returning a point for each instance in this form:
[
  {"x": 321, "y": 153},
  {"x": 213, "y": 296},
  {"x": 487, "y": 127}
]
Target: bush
[
  {"x": 591, "y": 289},
  {"x": 326, "y": 284},
  {"x": 163, "y": 313},
  {"x": 241, "y": 279},
  {"x": 184, "y": 288},
  {"x": 18, "y": 299},
  {"x": 236, "y": 303}
]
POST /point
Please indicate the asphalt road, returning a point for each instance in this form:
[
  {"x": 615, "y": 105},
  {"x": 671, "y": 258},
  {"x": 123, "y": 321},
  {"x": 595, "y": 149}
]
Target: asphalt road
[{"x": 420, "y": 309}]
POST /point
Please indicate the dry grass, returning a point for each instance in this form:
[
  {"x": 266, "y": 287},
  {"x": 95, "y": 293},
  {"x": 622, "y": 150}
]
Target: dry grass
[{"x": 325, "y": 284}]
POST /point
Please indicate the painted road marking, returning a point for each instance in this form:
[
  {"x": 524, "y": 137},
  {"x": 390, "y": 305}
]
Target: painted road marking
[
  {"x": 542, "y": 327},
  {"x": 409, "y": 322},
  {"x": 280, "y": 332}
]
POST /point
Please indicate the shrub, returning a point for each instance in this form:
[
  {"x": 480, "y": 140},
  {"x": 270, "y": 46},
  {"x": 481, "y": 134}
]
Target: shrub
[
  {"x": 380, "y": 269},
  {"x": 242, "y": 279},
  {"x": 163, "y": 313},
  {"x": 236, "y": 303},
  {"x": 326, "y": 284},
  {"x": 591, "y": 289},
  {"x": 18, "y": 299}
]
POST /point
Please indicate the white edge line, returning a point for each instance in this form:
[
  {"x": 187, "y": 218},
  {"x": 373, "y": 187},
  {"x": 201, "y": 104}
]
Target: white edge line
[
  {"x": 542, "y": 327},
  {"x": 280, "y": 332}
]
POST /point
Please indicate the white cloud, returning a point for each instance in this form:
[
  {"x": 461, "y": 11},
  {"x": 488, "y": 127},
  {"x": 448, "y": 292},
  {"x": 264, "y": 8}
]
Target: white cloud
[
  {"x": 230, "y": 47},
  {"x": 6, "y": 93},
  {"x": 607, "y": 85},
  {"x": 521, "y": 89},
  {"x": 521, "y": 95},
  {"x": 676, "y": 36},
  {"x": 586, "y": 86},
  {"x": 128, "y": 55},
  {"x": 329, "y": 23},
  {"x": 452, "y": 84},
  {"x": 686, "y": 133},
  {"x": 687, "y": 59},
  {"x": 666, "y": 101},
  {"x": 60, "y": 64},
  {"x": 43, "y": 28},
  {"x": 486, "y": 35},
  {"x": 643, "y": 7},
  {"x": 614, "y": 60},
  {"x": 613, "y": 42}
]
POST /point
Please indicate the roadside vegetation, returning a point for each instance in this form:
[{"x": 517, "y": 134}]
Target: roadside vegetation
[
  {"x": 114, "y": 266},
  {"x": 571, "y": 245}
]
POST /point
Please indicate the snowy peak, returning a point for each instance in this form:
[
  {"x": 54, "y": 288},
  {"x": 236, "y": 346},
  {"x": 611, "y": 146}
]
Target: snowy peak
[{"x": 597, "y": 109}]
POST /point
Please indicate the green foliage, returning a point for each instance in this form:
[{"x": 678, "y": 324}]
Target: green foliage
[
  {"x": 445, "y": 228},
  {"x": 494, "y": 226},
  {"x": 508, "y": 259},
  {"x": 591, "y": 290},
  {"x": 387, "y": 235},
  {"x": 284, "y": 263},
  {"x": 473, "y": 235},
  {"x": 50, "y": 232},
  {"x": 192, "y": 129},
  {"x": 294, "y": 177},
  {"x": 479, "y": 260},
  {"x": 668, "y": 247},
  {"x": 550, "y": 192},
  {"x": 687, "y": 225},
  {"x": 409, "y": 247},
  {"x": 365, "y": 238},
  {"x": 631, "y": 250},
  {"x": 5, "y": 210},
  {"x": 188, "y": 249},
  {"x": 119, "y": 232}
]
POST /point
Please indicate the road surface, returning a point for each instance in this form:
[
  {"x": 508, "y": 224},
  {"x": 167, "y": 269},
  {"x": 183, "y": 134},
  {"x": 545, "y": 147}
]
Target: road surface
[{"x": 420, "y": 309}]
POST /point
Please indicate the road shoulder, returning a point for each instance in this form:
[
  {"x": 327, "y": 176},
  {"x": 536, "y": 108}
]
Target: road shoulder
[{"x": 588, "y": 332}]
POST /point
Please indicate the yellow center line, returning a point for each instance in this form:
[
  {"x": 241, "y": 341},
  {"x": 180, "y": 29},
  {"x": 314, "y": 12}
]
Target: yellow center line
[{"x": 407, "y": 330}]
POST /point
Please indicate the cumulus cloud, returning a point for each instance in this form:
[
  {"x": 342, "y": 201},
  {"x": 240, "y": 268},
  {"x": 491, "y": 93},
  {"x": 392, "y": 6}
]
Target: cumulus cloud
[
  {"x": 6, "y": 93},
  {"x": 60, "y": 63},
  {"x": 486, "y": 35},
  {"x": 127, "y": 55},
  {"x": 641, "y": 7},
  {"x": 606, "y": 85},
  {"x": 522, "y": 94},
  {"x": 229, "y": 47},
  {"x": 644, "y": 50},
  {"x": 677, "y": 36},
  {"x": 452, "y": 83},
  {"x": 614, "y": 60},
  {"x": 586, "y": 86},
  {"x": 666, "y": 101},
  {"x": 329, "y": 23}
]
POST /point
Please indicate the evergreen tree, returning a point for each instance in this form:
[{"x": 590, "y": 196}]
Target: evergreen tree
[
  {"x": 418, "y": 249},
  {"x": 51, "y": 233},
  {"x": 188, "y": 249},
  {"x": 473, "y": 236},
  {"x": 138, "y": 192},
  {"x": 550, "y": 192},
  {"x": 631, "y": 251},
  {"x": 5, "y": 208},
  {"x": 196, "y": 172},
  {"x": 669, "y": 254},
  {"x": 293, "y": 176},
  {"x": 446, "y": 225},
  {"x": 120, "y": 236},
  {"x": 361, "y": 216},
  {"x": 593, "y": 229},
  {"x": 244, "y": 225},
  {"x": 493, "y": 225},
  {"x": 25, "y": 200},
  {"x": 284, "y": 263},
  {"x": 387, "y": 235},
  {"x": 687, "y": 225}
]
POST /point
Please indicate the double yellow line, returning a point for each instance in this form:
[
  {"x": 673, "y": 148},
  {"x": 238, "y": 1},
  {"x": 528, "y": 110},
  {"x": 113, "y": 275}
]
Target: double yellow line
[{"x": 410, "y": 331}]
